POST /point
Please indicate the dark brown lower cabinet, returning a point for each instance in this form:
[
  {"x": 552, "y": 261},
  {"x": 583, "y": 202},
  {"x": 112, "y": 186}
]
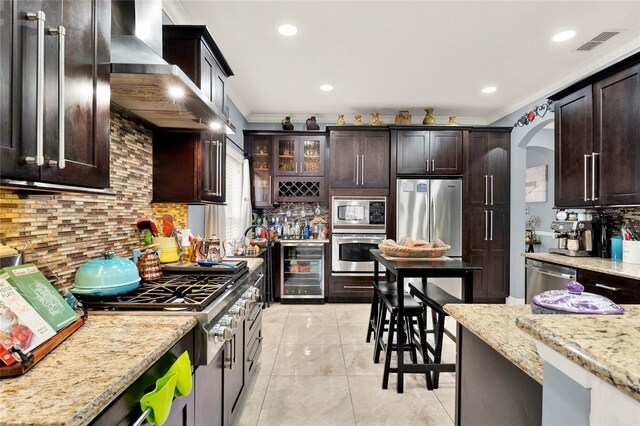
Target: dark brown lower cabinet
[
  {"x": 345, "y": 289},
  {"x": 620, "y": 290}
]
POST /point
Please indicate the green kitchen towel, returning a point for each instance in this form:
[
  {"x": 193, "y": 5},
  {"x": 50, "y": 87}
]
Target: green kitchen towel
[{"x": 41, "y": 295}]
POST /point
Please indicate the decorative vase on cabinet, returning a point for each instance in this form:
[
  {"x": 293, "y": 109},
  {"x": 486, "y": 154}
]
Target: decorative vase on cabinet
[
  {"x": 286, "y": 124},
  {"x": 340, "y": 121},
  {"x": 403, "y": 118},
  {"x": 357, "y": 120},
  {"x": 311, "y": 123},
  {"x": 375, "y": 119},
  {"x": 429, "y": 120}
]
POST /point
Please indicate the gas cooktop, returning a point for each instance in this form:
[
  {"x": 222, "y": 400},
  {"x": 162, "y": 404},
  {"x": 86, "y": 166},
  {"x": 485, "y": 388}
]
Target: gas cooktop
[{"x": 171, "y": 292}]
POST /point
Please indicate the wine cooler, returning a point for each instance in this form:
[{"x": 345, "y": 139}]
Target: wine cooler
[{"x": 302, "y": 266}]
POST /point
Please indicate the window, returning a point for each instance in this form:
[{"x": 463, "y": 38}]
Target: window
[{"x": 234, "y": 227}]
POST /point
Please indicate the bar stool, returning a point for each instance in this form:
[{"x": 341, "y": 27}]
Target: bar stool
[
  {"x": 382, "y": 287},
  {"x": 414, "y": 313},
  {"x": 435, "y": 298}
]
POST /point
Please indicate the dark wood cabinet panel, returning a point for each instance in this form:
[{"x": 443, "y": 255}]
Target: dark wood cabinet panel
[
  {"x": 617, "y": 137},
  {"x": 485, "y": 220},
  {"x": 344, "y": 289},
  {"x": 299, "y": 155},
  {"x": 85, "y": 99},
  {"x": 412, "y": 152},
  {"x": 201, "y": 175},
  {"x": 209, "y": 396},
  {"x": 437, "y": 152},
  {"x": 573, "y": 149},
  {"x": 620, "y": 290},
  {"x": 234, "y": 380},
  {"x": 192, "y": 48},
  {"x": 359, "y": 159},
  {"x": 445, "y": 152}
]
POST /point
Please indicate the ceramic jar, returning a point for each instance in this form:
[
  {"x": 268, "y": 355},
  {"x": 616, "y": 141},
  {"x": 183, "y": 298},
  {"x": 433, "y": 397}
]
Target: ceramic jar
[
  {"x": 357, "y": 120},
  {"x": 429, "y": 119},
  {"x": 286, "y": 124},
  {"x": 403, "y": 118},
  {"x": 340, "y": 121},
  {"x": 311, "y": 123},
  {"x": 375, "y": 119}
]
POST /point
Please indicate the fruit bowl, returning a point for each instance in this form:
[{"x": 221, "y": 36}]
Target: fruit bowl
[
  {"x": 394, "y": 250},
  {"x": 260, "y": 242}
]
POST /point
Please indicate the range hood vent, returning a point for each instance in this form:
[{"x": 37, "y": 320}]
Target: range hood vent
[{"x": 144, "y": 83}]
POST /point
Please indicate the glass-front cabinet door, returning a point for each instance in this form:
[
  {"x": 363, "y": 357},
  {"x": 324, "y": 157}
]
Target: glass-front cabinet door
[
  {"x": 302, "y": 271},
  {"x": 287, "y": 163},
  {"x": 262, "y": 169},
  {"x": 312, "y": 161}
]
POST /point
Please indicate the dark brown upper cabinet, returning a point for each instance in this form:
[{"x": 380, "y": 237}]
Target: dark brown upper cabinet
[
  {"x": 189, "y": 167},
  {"x": 261, "y": 150},
  {"x": 192, "y": 48},
  {"x": 597, "y": 129},
  {"x": 299, "y": 155},
  {"x": 359, "y": 158},
  {"x": 63, "y": 145},
  {"x": 434, "y": 152}
]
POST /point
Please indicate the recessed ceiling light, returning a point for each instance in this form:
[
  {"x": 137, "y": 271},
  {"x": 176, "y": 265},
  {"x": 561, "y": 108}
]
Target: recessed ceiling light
[
  {"x": 176, "y": 92},
  {"x": 489, "y": 89},
  {"x": 326, "y": 87},
  {"x": 287, "y": 30},
  {"x": 564, "y": 36}
]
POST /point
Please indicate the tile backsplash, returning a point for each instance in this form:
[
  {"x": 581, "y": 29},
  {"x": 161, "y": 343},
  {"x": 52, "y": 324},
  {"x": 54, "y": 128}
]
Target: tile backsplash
[{"x": 66, "y": 230}]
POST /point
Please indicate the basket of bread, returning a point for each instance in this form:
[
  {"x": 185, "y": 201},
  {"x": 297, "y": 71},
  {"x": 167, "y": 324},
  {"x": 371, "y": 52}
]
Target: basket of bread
[{"x": 408, "y": 247}]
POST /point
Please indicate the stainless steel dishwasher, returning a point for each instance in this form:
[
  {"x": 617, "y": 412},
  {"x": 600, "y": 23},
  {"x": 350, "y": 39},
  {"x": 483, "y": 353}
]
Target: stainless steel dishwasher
[{"x": 543, "y": 276}]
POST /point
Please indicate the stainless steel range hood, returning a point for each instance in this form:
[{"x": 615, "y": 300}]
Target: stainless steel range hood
[{"x": 146, "y": 85}]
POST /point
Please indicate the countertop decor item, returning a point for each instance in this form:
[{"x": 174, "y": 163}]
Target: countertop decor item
[
  {"x": 340, "y": 121},
  {"x": 357, "y": 120},
  {"x": 286, "y": 124},
  {"x": 452, "y": 121},
  {"x": 109, "y": 275},
  {"x": 375, "y": 119},
  {"x": 573, "y": 300},
  {"x": 312, "y": 124},
  {"x": 403, "y": 118},
  {"x": 149, "y": 265},
  {"x": 429, "y": 120}
]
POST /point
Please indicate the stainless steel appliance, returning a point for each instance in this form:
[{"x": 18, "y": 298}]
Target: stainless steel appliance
[
  {"x": 575, "y": 237},
  {"x": 350, "y": 253},
  {"x": 542, "y": 276},
  {"x": 302, "y": 266},
  {"x": 361, "y": 215},
  {"x": 432, "y": 208}
]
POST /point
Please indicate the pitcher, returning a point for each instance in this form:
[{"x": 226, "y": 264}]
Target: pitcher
[{"x": 214, "y": 248}]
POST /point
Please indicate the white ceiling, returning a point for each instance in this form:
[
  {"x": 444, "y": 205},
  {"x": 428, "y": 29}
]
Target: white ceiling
[{"x": 390, "y": 55}]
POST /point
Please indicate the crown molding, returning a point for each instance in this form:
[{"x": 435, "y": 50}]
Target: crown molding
[
  {"x": 176, "y": 11},
  {"x": 331, "y": 118}
]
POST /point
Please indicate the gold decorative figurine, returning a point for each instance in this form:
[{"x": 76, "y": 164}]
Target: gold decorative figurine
[
  {"x": 452, "y": 121},
  {"x": 375, "y": 119},
  {"x": 340, "y": 120},
  {"x": 357, "y": 120}
]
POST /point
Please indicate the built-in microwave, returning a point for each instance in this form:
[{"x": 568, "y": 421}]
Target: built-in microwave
[{"x": 366, "y": 215}]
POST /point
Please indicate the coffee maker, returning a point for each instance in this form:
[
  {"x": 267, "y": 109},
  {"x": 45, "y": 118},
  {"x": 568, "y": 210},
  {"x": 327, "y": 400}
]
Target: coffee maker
[{"x": 575, "y": 237}]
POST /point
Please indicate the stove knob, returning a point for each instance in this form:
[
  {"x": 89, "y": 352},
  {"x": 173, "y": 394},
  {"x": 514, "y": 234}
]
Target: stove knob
[
  {"x": 244, "y": 304},
  {"x": 220, "y": 333},
  {"x": 228, "y": 321},
  {"x": 253, "y": 294},
  {"x": 237, "y": 310}
]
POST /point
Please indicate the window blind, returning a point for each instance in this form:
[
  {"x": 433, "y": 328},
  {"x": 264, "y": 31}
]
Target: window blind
[{"x": 234, "y": 227}]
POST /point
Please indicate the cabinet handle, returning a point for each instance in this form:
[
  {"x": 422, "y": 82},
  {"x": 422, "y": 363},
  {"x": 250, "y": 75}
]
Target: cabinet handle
[
  {"x": 586, "y": 179},
  {"x": 359, "y": 287},
  {"x": 60, "y": 32},
  {"x": 433, "y": 165},
  {"x": 607, "y": 287},
  {"x": 427, "y": 166},
  {"x": 220, "y": 152},
  {"x": 491, "y": 228},
  {"x": 296, "y": 163},
  {"x": 357, "y": 169},
  {"x": 217, "y": 168},
  {"x": 593, "y": 175},
  {"x": 362, "y": 171},
  {"x": 38, "y": 160},
  {"x": 140, "y": 420},
  {"x": 270, "y": 188},
  {"x": 491, "y": 180},
  {"x": 486, "y": 190},
  {"x": 486, "y": 225}
]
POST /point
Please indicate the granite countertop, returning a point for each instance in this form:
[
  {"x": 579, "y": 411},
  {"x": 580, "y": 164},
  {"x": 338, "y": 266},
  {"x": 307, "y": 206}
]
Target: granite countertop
[
  {"x": 596, "y": 264},
  {"x": 82, "y": 376},
  {"x": 252, "y": 262},
  {"x": 605, "y": 345},
  {"x": 496, "y": 325}
]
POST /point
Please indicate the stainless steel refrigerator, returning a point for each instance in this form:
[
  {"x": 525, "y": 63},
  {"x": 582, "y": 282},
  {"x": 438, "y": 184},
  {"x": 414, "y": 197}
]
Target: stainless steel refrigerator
[{"x": 432, "y": 208}]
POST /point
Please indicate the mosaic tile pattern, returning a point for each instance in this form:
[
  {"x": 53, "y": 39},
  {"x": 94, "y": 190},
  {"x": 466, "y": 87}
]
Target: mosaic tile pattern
[{"x": 66, "y": 230}]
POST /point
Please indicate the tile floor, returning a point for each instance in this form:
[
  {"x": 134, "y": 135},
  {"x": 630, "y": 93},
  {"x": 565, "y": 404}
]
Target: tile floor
[{"x": 317, "y": 369}]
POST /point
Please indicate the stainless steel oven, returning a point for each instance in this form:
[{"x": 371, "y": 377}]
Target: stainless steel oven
[
  {"x": 361, "y": 215},
  {"x": 350, "y": 253}
]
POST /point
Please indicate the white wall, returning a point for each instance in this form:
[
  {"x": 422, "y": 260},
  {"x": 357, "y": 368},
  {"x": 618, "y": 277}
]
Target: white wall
[{"x": 540, "y": 152}]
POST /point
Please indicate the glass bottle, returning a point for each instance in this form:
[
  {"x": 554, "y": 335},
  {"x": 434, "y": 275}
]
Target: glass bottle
[{"x": 305, "y": 231}]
